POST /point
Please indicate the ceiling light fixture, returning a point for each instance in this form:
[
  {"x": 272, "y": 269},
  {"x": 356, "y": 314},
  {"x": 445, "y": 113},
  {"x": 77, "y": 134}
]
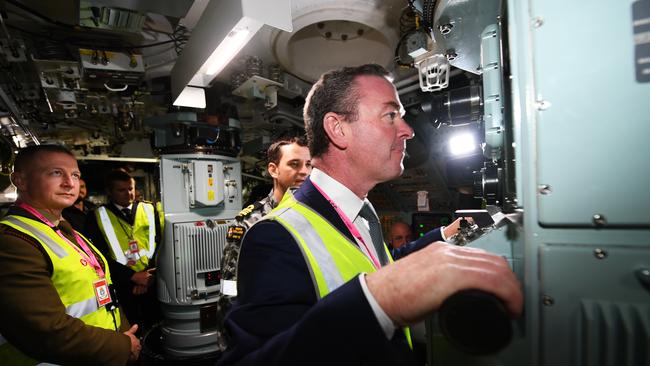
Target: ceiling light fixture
[{"x": 224, "y": 28}]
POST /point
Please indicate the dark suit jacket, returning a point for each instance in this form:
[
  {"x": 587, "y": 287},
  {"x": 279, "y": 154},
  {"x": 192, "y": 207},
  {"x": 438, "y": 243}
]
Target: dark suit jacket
[{"x": 277, "y": 320}]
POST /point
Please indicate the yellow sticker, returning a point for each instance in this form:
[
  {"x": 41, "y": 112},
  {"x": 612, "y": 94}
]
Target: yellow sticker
[
  {"x": 87, "y": 52},
  {"x": 210, "y": 195},
  {"x": 210, "y": 181}
]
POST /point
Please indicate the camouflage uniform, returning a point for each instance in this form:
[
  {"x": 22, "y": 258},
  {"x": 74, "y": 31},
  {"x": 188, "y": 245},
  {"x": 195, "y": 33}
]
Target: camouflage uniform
[{"x": 244, "y": 220}]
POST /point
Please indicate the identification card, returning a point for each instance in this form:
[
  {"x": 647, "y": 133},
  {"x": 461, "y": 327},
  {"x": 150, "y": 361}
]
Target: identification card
[
  {"x": 133, "y": 247},
  {"x": 102, "y": 294},
  {"x": 229, "y": 287}
]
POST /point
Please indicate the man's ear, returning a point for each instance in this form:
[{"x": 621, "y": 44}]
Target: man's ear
[
  {"x": 273, "y": 170},
  {"x": 19, "y": 180},
  {"x": 336, "y": 129}
]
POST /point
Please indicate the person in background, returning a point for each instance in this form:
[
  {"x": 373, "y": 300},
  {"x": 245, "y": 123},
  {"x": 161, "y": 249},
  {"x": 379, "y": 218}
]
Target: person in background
[
  {"x": 56, "y": 305},
  {"x": 127, "y": 232},
  {"x": 315, "y": 282},
  {"x": 400, "y": 233},
  {"x": 76, "y": 214},
  {"x": 289, "y": 164}
]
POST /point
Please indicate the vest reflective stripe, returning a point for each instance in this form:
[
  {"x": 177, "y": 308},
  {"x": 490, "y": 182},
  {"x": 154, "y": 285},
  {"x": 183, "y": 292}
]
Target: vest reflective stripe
[
  {"x": 82, "y": 308},
  {"x": 148, "y": 210},
  {"x": 41, "y": 236},
  {"x": 302, "y": 230},
  {"x": 109, "y": 231}
]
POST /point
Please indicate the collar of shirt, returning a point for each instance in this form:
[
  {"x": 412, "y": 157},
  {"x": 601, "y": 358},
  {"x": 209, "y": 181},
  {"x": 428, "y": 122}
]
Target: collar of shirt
[
  {"x": 347, "y": 201},
  {"x": 53, "y": 219},
  {"x": 130, "y": 207},
  {"x": 270, "y": 199}
]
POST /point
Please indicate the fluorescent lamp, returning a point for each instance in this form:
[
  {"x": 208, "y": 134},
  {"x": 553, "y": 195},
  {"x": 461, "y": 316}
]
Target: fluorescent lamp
[
  {"x": 224, "y": 28},
  {"x": 462, "y": 144},
  {"x": 230, "y": 46},
  {"x": 191, "y": 97}
]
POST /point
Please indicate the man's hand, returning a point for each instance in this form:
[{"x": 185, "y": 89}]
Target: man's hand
[
  {"x": 416, "y": 285},
  {"x": 139, "y": 289},
  {"x": 454, "y": 228},
  {"x": 135, "y": 343},
  {"x": 142, "y": 278}
]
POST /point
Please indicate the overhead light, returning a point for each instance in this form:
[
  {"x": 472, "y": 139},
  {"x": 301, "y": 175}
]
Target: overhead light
[
  {"x": 462, "y": 144},
  {"x": 191, "y": 97},
  {"x": 224, "y": 28},
  {"x": 230, "y": 46}
]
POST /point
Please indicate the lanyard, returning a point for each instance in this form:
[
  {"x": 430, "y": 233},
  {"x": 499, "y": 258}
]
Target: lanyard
[
  {"x": 353, "y": 229},
  {"x": 84, "y": 252}
]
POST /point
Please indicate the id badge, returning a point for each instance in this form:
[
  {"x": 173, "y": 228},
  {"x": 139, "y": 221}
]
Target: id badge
[
  {"x": 102, "y": 294},
  {"x": 133, "y": 247}
]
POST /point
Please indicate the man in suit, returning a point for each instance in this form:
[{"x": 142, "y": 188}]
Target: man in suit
[
  {"x": 401, "y": 235},
  {"x": 316, "y": 285},
  {"x": 127, "y": 232}
]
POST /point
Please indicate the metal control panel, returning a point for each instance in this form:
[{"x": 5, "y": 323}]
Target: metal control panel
[{"x": 207, "y": 183}]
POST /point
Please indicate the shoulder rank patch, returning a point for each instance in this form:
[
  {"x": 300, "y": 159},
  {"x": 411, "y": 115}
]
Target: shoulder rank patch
[
  {"x": 245, "y": 212},
  {"x": 248, "y": 210},
  {"x": 235, "y": 232}
]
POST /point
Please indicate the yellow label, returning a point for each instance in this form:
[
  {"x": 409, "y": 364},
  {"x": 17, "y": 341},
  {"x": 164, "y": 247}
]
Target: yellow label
[
  {"x": 87, "y": 52},
  {"x": 210, "y": 195}
]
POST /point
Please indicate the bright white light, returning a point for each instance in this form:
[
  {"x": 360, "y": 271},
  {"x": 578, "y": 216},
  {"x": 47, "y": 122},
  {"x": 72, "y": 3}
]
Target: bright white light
[
  {"x": 227, "y": 50},
  {"x": 191, "y": 97},
  {"x": 462, "y": 144}
]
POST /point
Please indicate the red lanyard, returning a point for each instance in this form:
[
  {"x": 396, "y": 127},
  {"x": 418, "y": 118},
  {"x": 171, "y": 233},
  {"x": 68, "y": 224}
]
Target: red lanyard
[
  {"x": 85, "y": 251},
  {"x": 353, "y": 229}
]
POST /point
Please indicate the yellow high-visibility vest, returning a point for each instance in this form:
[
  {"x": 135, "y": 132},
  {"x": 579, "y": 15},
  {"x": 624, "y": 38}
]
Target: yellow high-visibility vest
[
  {"x": 331, "y": 257},
  {"x": 72, "y": 280},
  {"x": 119, "y": 233}
]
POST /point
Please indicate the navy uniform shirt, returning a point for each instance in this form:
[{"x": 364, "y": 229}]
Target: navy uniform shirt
[{"x": 244, "y": 220}]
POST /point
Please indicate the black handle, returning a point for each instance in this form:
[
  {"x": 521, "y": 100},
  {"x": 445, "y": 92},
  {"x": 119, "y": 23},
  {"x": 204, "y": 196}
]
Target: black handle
[{"x": 475, "y": 322}]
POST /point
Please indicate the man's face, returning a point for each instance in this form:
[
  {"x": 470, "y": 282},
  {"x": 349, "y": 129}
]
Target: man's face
[
  {"x": 400, "y": 234},
  {"x": 378, "y": 140},
  {"x": 51, "y": 182},
  {"x": 82, "y": 190},
  {"x": 122, "y": 192},
  {"x": 293, "y": 168}
]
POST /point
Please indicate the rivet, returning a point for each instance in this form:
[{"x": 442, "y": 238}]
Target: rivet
[
  {"x": 543, "y": 105},
  {"x": 599, "y": 220},
  {"x": 600, "y": 253},
  {"x": 544, "y": 189},
  {"x": 547, "y": 300}
]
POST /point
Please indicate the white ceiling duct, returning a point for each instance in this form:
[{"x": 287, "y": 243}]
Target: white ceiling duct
[{"x": 331, "y": 34}]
